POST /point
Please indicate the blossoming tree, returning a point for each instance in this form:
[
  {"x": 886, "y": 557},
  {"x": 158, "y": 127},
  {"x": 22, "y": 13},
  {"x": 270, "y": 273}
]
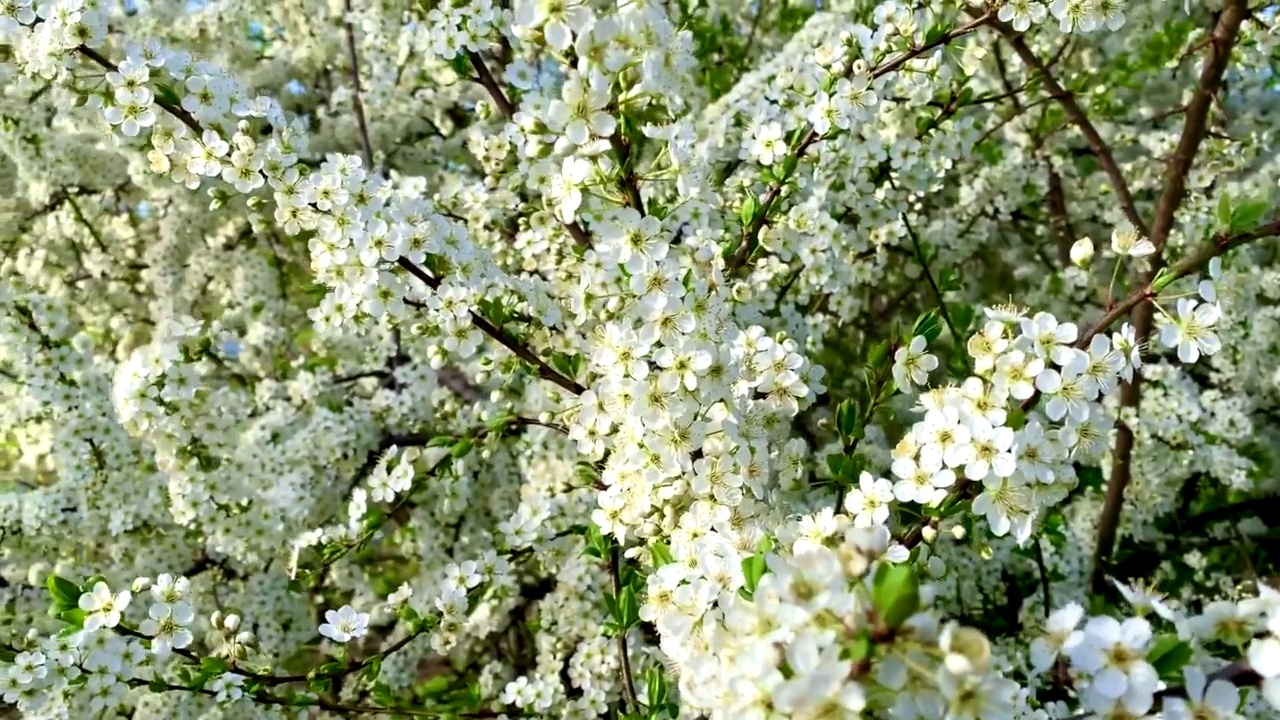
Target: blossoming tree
[{"x": 639, "y": 359}]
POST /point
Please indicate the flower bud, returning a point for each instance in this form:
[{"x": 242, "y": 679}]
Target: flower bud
[
  {"x": 929, "y": 532},
  {"x": 958, "y": 532},
  {"x": 1082, "y": 252},
  {"x": 140, "y": 584},
  {"x": 231, "y": 623}
]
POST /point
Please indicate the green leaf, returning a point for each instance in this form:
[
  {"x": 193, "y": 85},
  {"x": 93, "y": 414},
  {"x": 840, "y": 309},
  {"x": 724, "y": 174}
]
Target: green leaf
[
  {"x": 895, "y": 594},
  {"x": 213, "y": 666},
  {"x": 963, "y": 316},
  {"x": 373, "y": 669},
  {"x": 566, "y": 364},
  {"x": 929, "y": 325},
  {"x": 854, "y": 466},
  {"x": 835, "y": 464},
  {"x": 1247, "y": 215},
  {"x": 789, "y": 165},
  {"x": 1162, "y": 280},
  {"x": 166, "y": 95},
  {"x": 950, "y": 279},
  {"x": 1090, "y": 477},
  {"x": 65, "y": 593},
  {"x": 597, "y": 543},
  {"x": 1224, "y": 211},
  {"x": 462, "y": 448},
  {"x": 656, "y": 684},
  {"x": 748, "y": 212},
  {"x": 753, "y": 568},
  {"x": 1168, "y": 656},
  {"x": 74, "y": 617},
  {"x": 858, "y": 650},
  {"x": 848, "y": 420},
  {"x": 878, "y": 355},
  {"x": 936, "y": 33},
  {"x": 628, "y": 608},
  {"x": 661, "y": 554}
]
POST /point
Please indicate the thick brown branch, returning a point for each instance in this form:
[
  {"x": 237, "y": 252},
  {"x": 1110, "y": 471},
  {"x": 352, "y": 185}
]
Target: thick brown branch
[{"x": 1194, "y": 127}]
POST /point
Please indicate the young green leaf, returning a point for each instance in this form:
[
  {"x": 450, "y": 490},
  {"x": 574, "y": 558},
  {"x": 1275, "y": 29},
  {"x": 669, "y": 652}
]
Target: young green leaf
[{"x": 895, "y": 594}]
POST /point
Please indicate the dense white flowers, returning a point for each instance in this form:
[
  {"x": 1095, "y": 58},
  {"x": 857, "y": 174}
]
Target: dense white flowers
[{"x": 631, "y": 359}]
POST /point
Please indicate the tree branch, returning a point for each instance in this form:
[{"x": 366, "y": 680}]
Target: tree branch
[
  {"x": 1194, "y": 128},
  {"x": 503, "y": 337},
  {"x": 486, "y": 79}
]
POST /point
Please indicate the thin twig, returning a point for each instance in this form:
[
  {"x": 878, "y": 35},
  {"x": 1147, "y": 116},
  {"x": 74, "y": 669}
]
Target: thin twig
[
  {"x": 1044, "y": 579},
  {"x": 933, "y": 284},
  {"x": 751, "y": 234},
  {"x": 762, "y": 7},
  {"x": 628, "y": 683},
  {"x": 358, "y": 105},
  {"x": 93, "y": 231}
]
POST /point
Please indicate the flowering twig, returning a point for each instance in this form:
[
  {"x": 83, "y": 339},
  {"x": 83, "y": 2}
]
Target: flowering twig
[
  {"x": 576, "y": 231},
  {"x": 500, "y": 427},
  {"x": 482, "y": 323},
  {"x": 751, "y": 234}
]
